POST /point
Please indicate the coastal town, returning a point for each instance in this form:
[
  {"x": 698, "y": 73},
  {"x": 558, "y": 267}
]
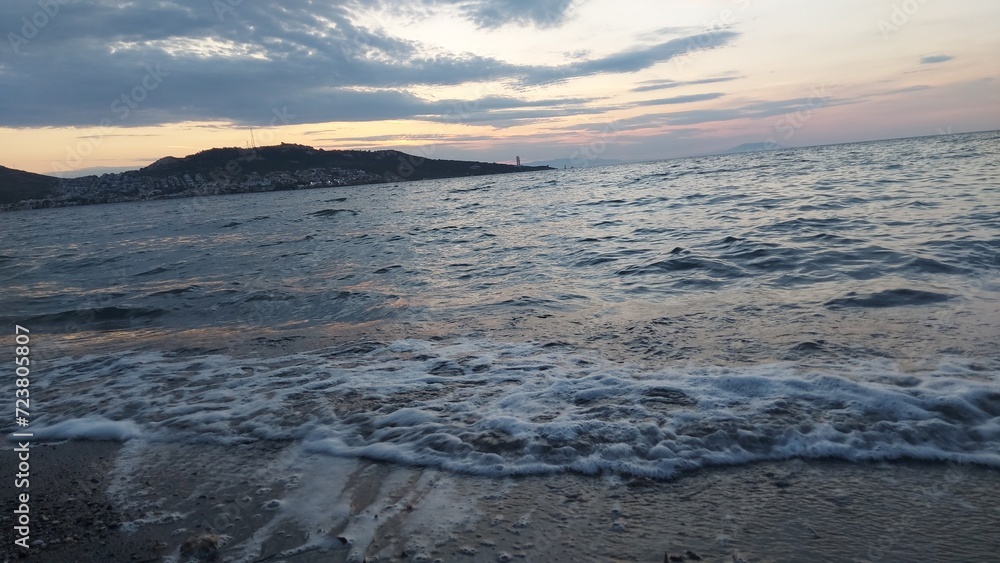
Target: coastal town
[
  {"x": 235, "y": 170},
  {"x": 135, "y": 185}
]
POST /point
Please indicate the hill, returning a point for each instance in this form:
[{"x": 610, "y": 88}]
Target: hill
[
  {"x": 236, "y": 170},
  {"x": 753, "y": 147},
  {"x": 18, "y": 185},
  {"x": 391, "y": 165}
]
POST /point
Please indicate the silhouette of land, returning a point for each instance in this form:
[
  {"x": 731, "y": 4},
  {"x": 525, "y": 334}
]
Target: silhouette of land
[{"x": 236, "y": 170}]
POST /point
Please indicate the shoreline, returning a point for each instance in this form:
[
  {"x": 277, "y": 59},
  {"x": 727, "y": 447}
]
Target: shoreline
[{"x": 106, "y": 501}]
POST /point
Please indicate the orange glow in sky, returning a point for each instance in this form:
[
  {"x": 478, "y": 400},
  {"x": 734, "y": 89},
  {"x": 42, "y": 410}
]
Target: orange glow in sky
[{"x": 640, "y": 80}]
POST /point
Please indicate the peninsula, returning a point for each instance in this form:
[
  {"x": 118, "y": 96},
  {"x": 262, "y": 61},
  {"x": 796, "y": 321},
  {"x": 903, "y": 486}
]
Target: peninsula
[{"x": 236, "y": 170}]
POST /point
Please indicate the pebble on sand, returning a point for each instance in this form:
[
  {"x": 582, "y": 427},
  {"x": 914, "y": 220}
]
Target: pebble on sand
[{"x": 204, "y": 547}]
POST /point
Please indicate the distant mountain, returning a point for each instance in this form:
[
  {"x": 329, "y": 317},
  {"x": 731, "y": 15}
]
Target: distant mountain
[
  {"x": 236, "y": 170},
  {"x": 753, "y": 147},
  {"x": 576, "y": 162},
  {"x": 95, "y": 171},
  {"x": 18, "y": 185}
]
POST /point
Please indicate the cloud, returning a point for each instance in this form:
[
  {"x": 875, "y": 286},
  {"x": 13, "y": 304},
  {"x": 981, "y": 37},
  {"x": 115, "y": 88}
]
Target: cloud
[
  {"x": 681, "y": 99},
  {"x": 636, "y": 59},
  {"x": 492, "y": 14},
  {"x": 906, "y": 90},
  {"x": 410, "y": 138},
  {"x": 650, "y": 85},
  {"x": 486, "y": 14},
  {"x": 753, "y": 110},
  {"x": 146, "y": 63},
  {"x": 934, "y": 59},
  {"x": 673, "y": 31}
]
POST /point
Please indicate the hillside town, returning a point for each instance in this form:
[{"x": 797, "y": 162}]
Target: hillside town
[{"x": 134, "y": 185}]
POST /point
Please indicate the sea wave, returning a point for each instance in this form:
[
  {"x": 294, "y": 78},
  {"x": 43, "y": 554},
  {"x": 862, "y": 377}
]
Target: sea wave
[{"x": 493, "y": 408}]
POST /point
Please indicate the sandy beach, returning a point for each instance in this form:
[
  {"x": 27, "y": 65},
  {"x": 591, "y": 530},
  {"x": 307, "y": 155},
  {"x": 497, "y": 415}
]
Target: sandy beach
[
  {"x": 101, "y": 501},
  {"x": 275, "y": 500}
]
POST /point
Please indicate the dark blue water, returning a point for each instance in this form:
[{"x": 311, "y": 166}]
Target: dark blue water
[{"x": 643, "y": 318}]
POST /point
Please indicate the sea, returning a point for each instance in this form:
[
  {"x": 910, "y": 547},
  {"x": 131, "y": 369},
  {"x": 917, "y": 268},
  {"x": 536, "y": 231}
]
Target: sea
[
  {"x": 648, "y": 319},
  {"x": 642, "y": 320}
]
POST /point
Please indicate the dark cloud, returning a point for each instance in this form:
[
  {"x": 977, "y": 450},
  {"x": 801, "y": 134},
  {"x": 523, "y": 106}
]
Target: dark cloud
[
  {"x": 486, "y": 14},
  {"x": 634, "y": 60},
  {"x": 143, "y": 63},
  {"x": 933, "y": 59},
  {"x": 496, "y": 13}
]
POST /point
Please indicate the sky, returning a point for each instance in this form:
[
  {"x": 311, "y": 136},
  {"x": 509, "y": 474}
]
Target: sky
[{"x": 92, "y": 85}]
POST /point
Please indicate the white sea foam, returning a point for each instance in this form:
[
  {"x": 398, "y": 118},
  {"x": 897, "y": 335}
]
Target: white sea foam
[
  {"x": 89, "y": 428},
  {"x": 483, "y": 407}
]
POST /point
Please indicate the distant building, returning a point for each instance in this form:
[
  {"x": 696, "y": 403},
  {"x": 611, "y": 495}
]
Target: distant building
[{"x": 518, "y": 160}]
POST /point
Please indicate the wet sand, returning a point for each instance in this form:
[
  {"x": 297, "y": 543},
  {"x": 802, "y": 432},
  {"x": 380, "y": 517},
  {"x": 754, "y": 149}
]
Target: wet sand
[
  {"x": 99, "y": 501},
  {"x": 72, "y": 517}
]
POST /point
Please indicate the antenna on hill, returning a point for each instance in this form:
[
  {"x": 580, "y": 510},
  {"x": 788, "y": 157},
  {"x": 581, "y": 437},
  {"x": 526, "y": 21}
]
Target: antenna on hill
[{"x": 253, "y": 143}]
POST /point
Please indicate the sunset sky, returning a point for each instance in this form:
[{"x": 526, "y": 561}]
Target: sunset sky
[{"x": 97, "y": 84}]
